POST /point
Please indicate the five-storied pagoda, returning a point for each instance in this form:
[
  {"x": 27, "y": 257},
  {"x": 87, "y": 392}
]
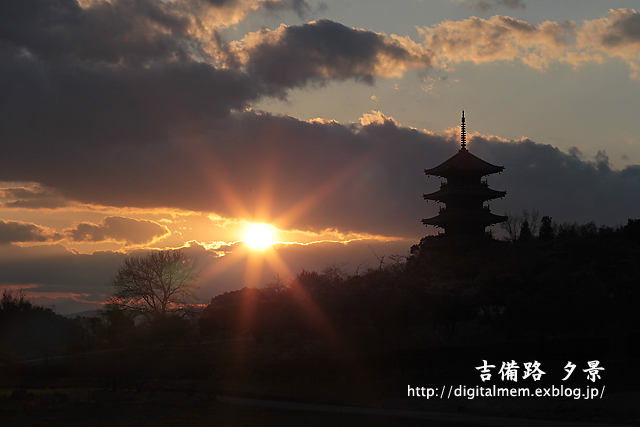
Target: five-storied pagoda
[{"x": 464, "y": 194}]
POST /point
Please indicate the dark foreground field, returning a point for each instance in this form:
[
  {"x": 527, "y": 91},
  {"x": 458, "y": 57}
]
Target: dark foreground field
[
  {"x": 91, "y": 407},
  {"x": 53, "y": 408},
  {"x": 191, "y": 385}
]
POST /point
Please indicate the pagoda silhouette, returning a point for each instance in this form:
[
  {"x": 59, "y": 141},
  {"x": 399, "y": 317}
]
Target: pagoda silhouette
[{"x": 464, "y": 194}]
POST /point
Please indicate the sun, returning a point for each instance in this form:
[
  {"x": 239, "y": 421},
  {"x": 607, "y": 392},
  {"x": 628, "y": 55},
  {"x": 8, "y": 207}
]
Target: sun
[{"x": 259, "y": 236}]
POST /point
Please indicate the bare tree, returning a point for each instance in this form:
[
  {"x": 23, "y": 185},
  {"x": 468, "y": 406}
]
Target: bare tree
[
  {"x": 533, "y": 219},
  {"x": 514, "y": 222},
  {"x": 512, "y": 226},
  {"x": 156, "y": 285},
  {"x": 381, "y": 259},
  {"x": 547, "y": 231}
]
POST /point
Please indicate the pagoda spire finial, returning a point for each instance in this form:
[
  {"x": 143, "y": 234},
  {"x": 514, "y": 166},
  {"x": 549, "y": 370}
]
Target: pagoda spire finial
[{"x": 463, "y": 133}]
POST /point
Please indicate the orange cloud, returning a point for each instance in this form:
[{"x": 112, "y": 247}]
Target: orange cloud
[
  {"x": 34, "y": 197},
  {"x": 499, "y": 38},
  {"x": 502, "y": 38},
  {"x": 23, "y": 232},
  {"x": 120, "y": 229},
  {"x": 616, "y": 35}
]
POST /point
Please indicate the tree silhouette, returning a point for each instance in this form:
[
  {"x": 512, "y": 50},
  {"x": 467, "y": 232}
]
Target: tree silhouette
[
  {"x": 525, "y": 232},
  {"x": 514, "y": 223},
  {"x": 512, "y": 226},
  {"x": 155, "y": 286},
  {"x": 28, "y": 330},
  {"x": 546, "y": 230}
]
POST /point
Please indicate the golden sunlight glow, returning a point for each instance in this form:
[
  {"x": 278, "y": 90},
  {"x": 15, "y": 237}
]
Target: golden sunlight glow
[{"x": 259, "y": 236}]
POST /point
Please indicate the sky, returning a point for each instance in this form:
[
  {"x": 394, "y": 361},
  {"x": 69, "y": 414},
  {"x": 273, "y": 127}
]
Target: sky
[{"x": 135, "y": 125}]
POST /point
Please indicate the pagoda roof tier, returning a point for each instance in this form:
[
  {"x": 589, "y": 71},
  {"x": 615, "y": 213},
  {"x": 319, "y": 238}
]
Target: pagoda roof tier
[
  {"x": 446, "y": 193},
  {"x": 448, "y": 217},
  {"x": 465, "y": 163}
]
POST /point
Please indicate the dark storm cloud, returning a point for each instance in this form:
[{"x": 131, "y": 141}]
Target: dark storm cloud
[
  {"x": 148, "y": 125},
  {"x": 118, "y": 31},
  {"x": 347, "y": 174},
  {"x": 56, "y": 269},
  {"x": 47, "y": 203},
  {"x": 123, "y": 134},
  {"x": 161, "y": 135},
  {"x": 561, "y": 184},
  {"x": 624, "y": 28},
  {"x": 293, "y": 56},
  {"x": 118, "y": 72},
  {"x": 486, "y": 5},
  {"x": 58, "y": 99},
  {"x": 31, "y": 198},
  {"x": 14, "y": 232},
  {"x": 220, "y": 3},
  {"x": 317, "y": 175},
  {"x": 228, "y": 56},
  {"x": 51, "y": 110},
  {"x": 119, "y": 229},
  {"x": 25, "y": 193}
]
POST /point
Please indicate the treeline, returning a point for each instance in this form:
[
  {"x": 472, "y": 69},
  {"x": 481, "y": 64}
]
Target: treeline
[
  {"x": 29, "y": 331},
  {"x": 32, "y": 332},
  {"x": 552, "y": 281},
  {"x": 559, "y": 281}
]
